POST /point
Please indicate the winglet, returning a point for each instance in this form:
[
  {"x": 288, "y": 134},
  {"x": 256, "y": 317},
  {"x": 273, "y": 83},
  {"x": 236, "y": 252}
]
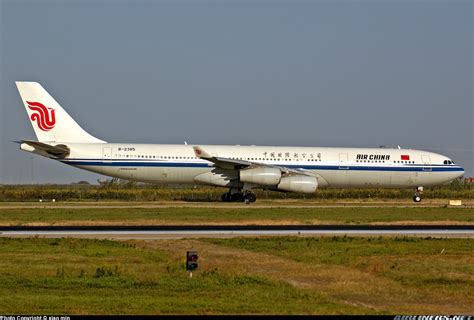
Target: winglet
[{"x": 200, "y": 153}]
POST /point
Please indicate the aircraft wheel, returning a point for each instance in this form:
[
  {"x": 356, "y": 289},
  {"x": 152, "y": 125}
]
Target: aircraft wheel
[
  {"x": 250, "y": 197},
  {"x": 225, "y": 197},
  {"x": 237, "y": 197}
]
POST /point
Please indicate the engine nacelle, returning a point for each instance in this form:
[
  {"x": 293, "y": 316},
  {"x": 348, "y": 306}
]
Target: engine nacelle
[
  {"x": 302, "y": 184},
  {"x": 262, "y": 175}
]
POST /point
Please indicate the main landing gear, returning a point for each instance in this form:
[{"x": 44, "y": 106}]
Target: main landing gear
[
  {"x": 239, "y": 196},
  {"x": 418, "y": 194}
]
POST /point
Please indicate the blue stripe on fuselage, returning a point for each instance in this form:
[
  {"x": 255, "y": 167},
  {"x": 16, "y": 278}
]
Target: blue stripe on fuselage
[{"x": 114, "y": 163}]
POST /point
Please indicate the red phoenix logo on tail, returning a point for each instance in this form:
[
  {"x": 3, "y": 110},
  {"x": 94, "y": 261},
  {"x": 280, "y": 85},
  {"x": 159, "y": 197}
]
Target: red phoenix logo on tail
[{"x": 45, "y": 117}]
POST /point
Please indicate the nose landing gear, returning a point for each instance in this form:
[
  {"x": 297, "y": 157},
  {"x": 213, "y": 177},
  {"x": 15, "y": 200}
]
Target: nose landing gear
[{"x": 417, "y": 197}]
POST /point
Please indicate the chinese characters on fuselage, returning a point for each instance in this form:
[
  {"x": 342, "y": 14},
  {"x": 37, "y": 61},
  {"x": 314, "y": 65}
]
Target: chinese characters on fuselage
[{"x": 289, "y": 155}]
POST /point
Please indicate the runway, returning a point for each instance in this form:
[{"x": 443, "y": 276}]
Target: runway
[
  {"x": 261, "y": 204},
  {"x": 207, "y": 231},
  {"x": 232, "y": 206}
]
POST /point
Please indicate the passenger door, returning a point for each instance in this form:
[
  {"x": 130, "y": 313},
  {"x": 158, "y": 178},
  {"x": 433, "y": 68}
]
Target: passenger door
[
  {"x": 341, "y": 174},
  {"x": 107, "y": 154},
  {"x": 425, "y": 159},
  {"x": 343, "y": 159}
]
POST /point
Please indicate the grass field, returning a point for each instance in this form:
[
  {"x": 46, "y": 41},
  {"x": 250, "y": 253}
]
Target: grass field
[
  {"x": 150, "y": 193},
  {"x": 237, "y": 215},
  {"x": 285, "y": 275},
  {"x": 279, "y": 275}
]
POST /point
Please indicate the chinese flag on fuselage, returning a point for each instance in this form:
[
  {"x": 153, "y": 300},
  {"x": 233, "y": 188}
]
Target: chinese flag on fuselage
[{"x": 405, "y": 157}]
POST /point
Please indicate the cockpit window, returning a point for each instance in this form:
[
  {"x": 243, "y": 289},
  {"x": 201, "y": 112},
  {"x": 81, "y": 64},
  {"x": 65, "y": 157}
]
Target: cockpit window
[{"x": 448, "y": 162}]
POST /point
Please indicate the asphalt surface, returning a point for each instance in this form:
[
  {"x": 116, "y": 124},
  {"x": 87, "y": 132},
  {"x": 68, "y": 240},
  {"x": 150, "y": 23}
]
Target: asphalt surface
[{"x": 207, "y": 231}]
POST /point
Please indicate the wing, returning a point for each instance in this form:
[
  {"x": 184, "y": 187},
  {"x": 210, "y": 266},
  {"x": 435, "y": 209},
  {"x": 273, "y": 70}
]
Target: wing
[
  {"x": 236, "y": 164},
  {"x": 220, "y": 162}
]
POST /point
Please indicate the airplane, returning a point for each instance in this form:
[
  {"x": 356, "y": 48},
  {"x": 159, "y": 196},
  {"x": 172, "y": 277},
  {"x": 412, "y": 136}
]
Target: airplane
[{"x": 238, "y": 168}]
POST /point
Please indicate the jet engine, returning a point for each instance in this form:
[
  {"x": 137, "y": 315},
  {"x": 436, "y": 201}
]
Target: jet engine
[
  {"x": 298, "y": 183},
  {"x": 261, "y": 175}
]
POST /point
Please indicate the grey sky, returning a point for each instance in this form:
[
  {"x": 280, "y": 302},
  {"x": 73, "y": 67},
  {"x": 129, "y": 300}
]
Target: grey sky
[{"x": 313, "y": 73}]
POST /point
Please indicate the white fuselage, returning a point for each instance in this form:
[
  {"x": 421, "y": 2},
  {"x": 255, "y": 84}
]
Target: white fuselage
[
  {"x": 241, "y": 168},
  {"x": 333, "y": 167}
]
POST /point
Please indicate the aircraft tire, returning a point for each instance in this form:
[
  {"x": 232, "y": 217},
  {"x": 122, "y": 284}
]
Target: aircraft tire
[
  {"x": 226, "y": 197},
  {"x": 250, "y": 197},
  {"x": 237, "y": 197}
]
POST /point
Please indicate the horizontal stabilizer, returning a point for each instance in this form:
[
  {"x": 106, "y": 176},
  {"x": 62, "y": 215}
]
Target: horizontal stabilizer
[{"x": 59, "y": 150}]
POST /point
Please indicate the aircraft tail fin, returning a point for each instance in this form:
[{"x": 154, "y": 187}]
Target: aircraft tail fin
[{"x": 49, "y": 120}]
